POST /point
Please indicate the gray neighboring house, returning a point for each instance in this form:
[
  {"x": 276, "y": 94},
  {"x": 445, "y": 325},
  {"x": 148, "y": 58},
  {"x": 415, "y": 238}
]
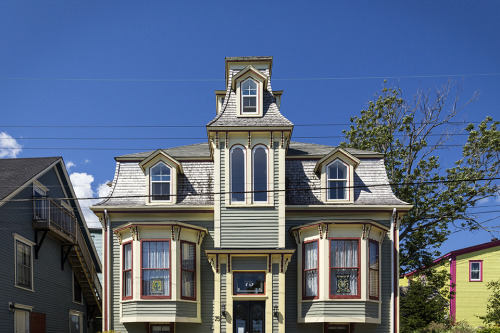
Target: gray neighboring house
[
  {"x": 49, "y": 263},
  {"x": 250, "y": 231}
]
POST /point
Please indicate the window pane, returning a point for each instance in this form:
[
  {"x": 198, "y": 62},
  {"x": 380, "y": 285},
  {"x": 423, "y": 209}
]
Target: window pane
[
  {"x": 127, "y": 256},
  {"x": 161, "y": 191},
  {"x": 337, "y": 189},
  {"x": 160, "y": 328},
  {"x": 344, "y": 253},
  {"x": 374, "y": 269},
  {"x": 237, "y": 174},
  {"x": 374, "y": 255},
  {"x": 311, "y": 283},
  {"x": 260, "y": 174},
  {"x": 160, "y": 173},
  {"x": 127, "y": 283},
  {"x": 75, "y": 323},
  {"x": 155, "y": 282},
  {"x": 344, "y": 263},
  {"x": 344, "y": 281},
  {"x": 374, "y": 283},
  {"x": 188, "y": 256},
  {"x": 475, "y": 271},
  {"x": 338, "y": 329},
  {"x": 311, "y": 255},
  {"x": 188, "y": 284}
]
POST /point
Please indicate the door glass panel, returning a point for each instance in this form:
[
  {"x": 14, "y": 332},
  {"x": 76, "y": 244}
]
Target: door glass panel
[
  {"x": 257, "y": 319},
  {"x": 241, "y": 318}
]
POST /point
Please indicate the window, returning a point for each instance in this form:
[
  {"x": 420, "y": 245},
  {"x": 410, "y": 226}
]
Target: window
[
  {"x": 75, "y": 322},
  {"x": 24, "y": 263},
  {"x": 237, "y": 174},
  {"x": 310, "y": 276},
  {"x": 40, "y": 203},
  {"x": 260, "y": 174},
  {"x": 77, "y": 291},
  {"x": 155, "y": 269},
  {"x": 374, "y": 269},
  {"x": 337, "y": 180},
  {"x": 160, "y": 185},
  {"x": 127, "y": 271},
  {"x": 249, "y": 97},
  {"x": 161, "y": 328},
  {"x": 249, "y": 282},
  {"x": 476, "y": 270},
  {"x": 335, "y": 328},
  {"x": 188, "y": 270},
  {"x": 344, "y": 268}
]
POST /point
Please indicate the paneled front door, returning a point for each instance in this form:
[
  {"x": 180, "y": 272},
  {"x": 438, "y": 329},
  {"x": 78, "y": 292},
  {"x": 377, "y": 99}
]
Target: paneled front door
[{"x": 249, "y": 316}]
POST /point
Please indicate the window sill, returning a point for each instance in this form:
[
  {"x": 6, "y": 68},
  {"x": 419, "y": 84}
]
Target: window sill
[
  {"x": 24, "y": 288},
  {"x": 245, "y": 115},
  {"x": 253, "y": 205}
]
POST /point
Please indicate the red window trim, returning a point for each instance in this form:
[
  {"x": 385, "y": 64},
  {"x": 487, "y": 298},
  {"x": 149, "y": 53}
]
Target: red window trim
[
  {"x": 126, "y": 270},
  {"x": 169, "y": 270},
  {"x": 312, "y": 269},
  {"x": 480, "y": 270},
  {"x": 378, "y": 270},
  {"x": 358, "y": 295},
  {"x": 252, "y": 294},
  {"x": 188, "y": 270},
  {"x": 150, "y": 328}
]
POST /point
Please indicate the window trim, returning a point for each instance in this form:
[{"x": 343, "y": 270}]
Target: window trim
[
  {"x": 195, "y": 271},
  {"x": 169, "y": 296},
  {"x": 29, "y": 243},
  {"x": 266, "y": 149},
  {"x": 372, "y": 241},
  {"x": 347, "y": 180},
  {"x": 171, "y": 181},
  {"x": 80, "y": 318},
  {"x": 74, "y": 291},
  {"x": 257, "y": 97},
  {"x": 304, "y": 297},
  {"x": 243, "y": 148},
  {"x": 131, "y": 270},
  {"x": 358, "y": 295},
  {"x": 480, "y": 262},
  {"x": 249, "y": 271}
]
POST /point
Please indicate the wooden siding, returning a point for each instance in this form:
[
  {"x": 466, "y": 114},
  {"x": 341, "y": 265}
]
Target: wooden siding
[
  {"x": 223, "y": 294},
  {"x": 248, "y": 263}
]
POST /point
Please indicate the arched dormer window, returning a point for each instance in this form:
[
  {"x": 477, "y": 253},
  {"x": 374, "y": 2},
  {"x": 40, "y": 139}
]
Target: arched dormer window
[
  {"x": 249, "y": 97},
  {"x": 260, "y": 173},
  {"x": 160, "y": 182},
  {"x": 237, "y": 159},
  {"x": 337, "y": 180}
]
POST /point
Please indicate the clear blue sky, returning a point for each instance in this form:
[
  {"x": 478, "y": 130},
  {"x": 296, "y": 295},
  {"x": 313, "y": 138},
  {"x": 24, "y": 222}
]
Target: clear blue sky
[{"x": 126, "y": 63}]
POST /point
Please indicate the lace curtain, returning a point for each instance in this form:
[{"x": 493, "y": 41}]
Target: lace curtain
[
  {"x": 311, "y": 269},
  {"x": 344, "y": 267},
  {"x": 155, "y": 268}
]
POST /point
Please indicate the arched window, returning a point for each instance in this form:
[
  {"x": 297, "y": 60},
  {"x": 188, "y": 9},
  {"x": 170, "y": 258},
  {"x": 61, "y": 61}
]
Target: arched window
[
  {"x": 237, "y": 174},
  {"x": 337, "y": 180},
  {"x": 260, "y": 177},
  {"x": 160, "y": 185},
  {"x": 248, "y": 97}
]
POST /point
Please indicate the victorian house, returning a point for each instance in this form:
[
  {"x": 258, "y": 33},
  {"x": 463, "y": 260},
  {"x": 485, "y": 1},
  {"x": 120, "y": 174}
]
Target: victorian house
[{"x": 250, "y": 231}]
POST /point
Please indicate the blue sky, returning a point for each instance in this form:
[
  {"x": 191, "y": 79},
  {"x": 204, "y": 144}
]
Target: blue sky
[{"x": 128, "y": 63}]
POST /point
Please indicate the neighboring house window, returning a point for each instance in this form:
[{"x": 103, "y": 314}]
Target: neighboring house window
[
  {"x": 161, "y": 182},
  {"x": 24, "y": 263},
  {"x": 75, "y": 322},
  {"x": 155, "y": 269},
  {"x": 127, "y": 271},
  {"x": 337, "y": 180},
  {"x": 249, "y": 97},
  {"x": 310, "y": 276},
  {"x": 188, "y": 270},
  {"x": 476, "y": 270},
  {"x": 40, "y": 203},
  {"x": 374, "y": 269},
  {"x": 237, "y": 174},
  {"x": 77, "y": 291},
  {"x": 249, "y": 283},
  {"x": 260, "y": 181},
  {"x": 344, "y": 268}
]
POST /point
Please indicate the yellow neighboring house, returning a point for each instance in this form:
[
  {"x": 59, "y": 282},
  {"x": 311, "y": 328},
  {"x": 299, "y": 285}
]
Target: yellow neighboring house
[{"x": 471, "y": 269}]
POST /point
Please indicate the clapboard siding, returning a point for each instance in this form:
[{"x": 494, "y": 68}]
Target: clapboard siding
[
  {"x": 248, "y": 263},
  {"x": 339, "y": 309},
  {"x": 223, "y": 295},
  {"x": 159, "y": 309}
]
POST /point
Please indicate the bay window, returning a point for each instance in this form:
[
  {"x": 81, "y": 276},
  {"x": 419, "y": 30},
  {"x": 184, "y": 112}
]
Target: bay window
[
  {"x": 373, "y": 267},
  {"x": 155, "y": 269},
  {"x": 188, "y": 270},
  {"x": 337, "y": 173},
  {"x": 237, "y": 158},
  {"x": 260, "y": 181},
  {"x": 344, "y": 268},
  {"x": 310, "y": 276},
  {"x": 127, "y": 271}
]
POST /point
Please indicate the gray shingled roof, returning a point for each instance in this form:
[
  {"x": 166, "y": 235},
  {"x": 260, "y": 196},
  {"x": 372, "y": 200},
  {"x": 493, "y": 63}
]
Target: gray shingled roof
[
  {"x": 15, "y": 172},
  {"x": 308, "y": 149},
  {"x": 189, "y": 151}
]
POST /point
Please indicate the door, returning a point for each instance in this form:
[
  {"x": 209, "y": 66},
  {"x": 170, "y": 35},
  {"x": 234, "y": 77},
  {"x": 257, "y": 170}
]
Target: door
[{"x": 249, "y": 316}]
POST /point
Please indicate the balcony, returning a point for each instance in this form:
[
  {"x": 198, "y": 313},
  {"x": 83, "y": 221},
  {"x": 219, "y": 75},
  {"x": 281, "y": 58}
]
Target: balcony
[{"x": 51, "y": 218}]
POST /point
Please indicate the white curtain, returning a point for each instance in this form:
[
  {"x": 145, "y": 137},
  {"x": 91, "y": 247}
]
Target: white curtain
[
  {"x": 344, "y": 267},
  {"x": 188, "y": 269},
  {"x": 155, "y": 268},
  {"x": 311, "y": 269}
]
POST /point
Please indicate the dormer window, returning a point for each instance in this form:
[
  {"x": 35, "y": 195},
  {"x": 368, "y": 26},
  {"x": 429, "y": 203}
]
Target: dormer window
[
  {"x": 337, "y": 180},
  {"x": 249, "y": 97},
  {"x": 161, "y": 182}
]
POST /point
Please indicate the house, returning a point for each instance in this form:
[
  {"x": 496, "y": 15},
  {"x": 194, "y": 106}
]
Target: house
[
  {"x": 470, "y": 269},
  {"x": 48, "y": 278},
  {"x": 250, "y": 231}
]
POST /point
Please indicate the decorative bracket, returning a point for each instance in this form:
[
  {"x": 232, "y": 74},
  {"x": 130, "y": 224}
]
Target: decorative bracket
[
  {"x": 217, "y": 140},
  {"x": 226, "y": 139},
  {"x": 285, "y": 260},
  {"x": 119, "y": 237},
  {"x": 320, "y": 229},
  {"x": 134, "y": 231},
  {"x": 326, "y": 230},
  {"x": 282, "y": 140},
  {"x": 271, "y": 141},
  {"x": 176, "y": 232},
  {"x": 382, "y": 236},
  {"x": 366, "y": 230},
  {"x": 39, "y": 243},
  {"x": 249, "y": 140},
  {"x": 201, "y": 236},
  {"x": 296, "y": 235}
]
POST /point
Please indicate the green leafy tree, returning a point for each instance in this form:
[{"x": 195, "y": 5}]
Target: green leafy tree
[
  {"x": 411, "y": 135},
  {"x": 492, "y": 316},
  {"x": 425, "y": 301}
]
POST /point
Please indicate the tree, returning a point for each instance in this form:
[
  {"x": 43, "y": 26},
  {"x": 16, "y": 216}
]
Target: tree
[
  {"x": 411, "y": 134},
  {"x": 425, "y": 301},
  {"x": 493, "y": 307}
]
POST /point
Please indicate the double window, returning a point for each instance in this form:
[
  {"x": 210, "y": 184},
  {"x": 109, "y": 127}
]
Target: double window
[
  {"x": 344, "y": 268},
  {"x": 310, "y": 276},
  {"x": 337, "y": 180},
  {"x": 155, "y": 269},
  {"x": 160, "y": 182},
  {"x": 238, "y": 174},
  {"x": 188, "y": 270}
]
